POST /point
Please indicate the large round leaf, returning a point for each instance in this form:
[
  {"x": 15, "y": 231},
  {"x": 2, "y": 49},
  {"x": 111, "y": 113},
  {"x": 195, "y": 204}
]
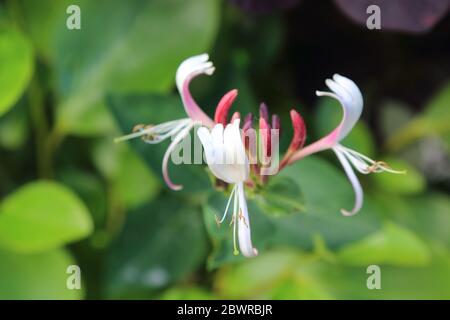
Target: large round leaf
[
  {"x": 16, "y": 65},
  {"x": 36, "y": 276},
  {"x": 40, "y": 216}
]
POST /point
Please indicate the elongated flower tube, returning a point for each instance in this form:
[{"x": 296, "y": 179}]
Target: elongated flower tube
[
  {"x": 178, "y": 129},
  {"x": 348, "y": 94},
  {"x": 226, "y": 158}
]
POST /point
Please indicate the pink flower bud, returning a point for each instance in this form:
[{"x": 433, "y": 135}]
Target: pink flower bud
[
  {"x": 224, "y": 106},
  {"x": 276, "y": 124},
  {"x": 264, "y": 112},
  {"x": 299, "y": 137},
  {"x": 248, "y": 122},
  {"x": 265, "y": 136}
]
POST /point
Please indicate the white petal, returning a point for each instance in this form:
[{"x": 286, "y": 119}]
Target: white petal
[
  {"x": 348, "y": 94},
  {"x": 244, "y": 233},
  {"x": 225, "y": 152},
  {"x": 189, "y": 69},
  {"x": 207, "y": 141},
  {"x": 354, "y": 181}
]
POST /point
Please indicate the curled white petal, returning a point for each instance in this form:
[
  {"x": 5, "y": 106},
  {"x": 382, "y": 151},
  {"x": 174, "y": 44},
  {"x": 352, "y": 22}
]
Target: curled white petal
[
  {"x": 189, "y": 69},
  {"x": 348, "y": 94},
  {"x": 353, "y": 180},
  {"x": 165, "y": 164}
]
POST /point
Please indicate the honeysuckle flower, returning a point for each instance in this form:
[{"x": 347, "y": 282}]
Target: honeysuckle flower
[
  {"x": 178, "y": 129},
  {"x": 227, "y": 160},
  {"x": 348, "y": 94}
]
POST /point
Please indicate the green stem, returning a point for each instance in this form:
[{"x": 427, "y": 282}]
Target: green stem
[{"x": 40, "y": 125}]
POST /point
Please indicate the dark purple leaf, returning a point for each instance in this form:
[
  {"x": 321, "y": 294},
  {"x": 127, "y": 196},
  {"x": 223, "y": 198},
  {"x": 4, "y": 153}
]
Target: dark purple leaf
[
  {"x": 414, "y": 16},
  {"x": 264, "y": 6}
]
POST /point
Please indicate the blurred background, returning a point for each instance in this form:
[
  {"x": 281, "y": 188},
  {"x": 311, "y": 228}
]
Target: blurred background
[{"x": 70, "y": 196}]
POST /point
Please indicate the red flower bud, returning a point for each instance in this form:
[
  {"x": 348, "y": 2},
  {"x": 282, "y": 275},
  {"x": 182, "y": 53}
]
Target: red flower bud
[
  {"x": 224, "y": 106},
  {"x": 299, "y": 137}
]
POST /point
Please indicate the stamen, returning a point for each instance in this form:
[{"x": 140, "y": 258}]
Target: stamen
[
  {"x": 364, "y": 164},
  {"x": 217, "y": 220},
  {"x": 228, "y": 204},
  {"x": 156, "y": 133},
  {"x": 241, "y": 217},
  {"x": 235, "y": 251}
]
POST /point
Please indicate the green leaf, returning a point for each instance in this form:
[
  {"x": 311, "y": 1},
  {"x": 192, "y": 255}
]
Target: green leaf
[
  {"x": 133, "y": 181},
  {"x": 87, "y": 66},
  {"x": 412, "y": 182},
  {"x": 154, "y": 109},
  {"x": 288, "y": 274},
  {"x": 326, "y": 191},
  {"x": 160, "y": 244},
  {"x": 393, "y": 245},
  {"x": 433, "y": 121},
  {"x": 90, "y": 189},
  {"x": 14, "y": 128},
  {"x": 428, "y": 215},
  {"x": 16, "y": 65},
  {"x": 397, "y": 282},
  {"x": 36, "y": 276},
  {"x": 136, "y": 184},
  {"x": 281, "y": 274},
  {"x": 281, "y": 196},
  {"x": 40, "y": 216}
]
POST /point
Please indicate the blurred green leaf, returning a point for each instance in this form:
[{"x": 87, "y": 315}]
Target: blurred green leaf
[
  {"x": 42, "y": 21},
  {"x": 412, "y": 182},
  {"x": 326, "y": 191},
  {"x": 14, "y": 128},
  {"x": 394, "y": 115},
  {"x": 136, "y": 184},
  {"x": 281, "y": 196},
  {"x": 134, "y": 181},
  {"x": 41, "y": 216},
  {"x": 428, "y": 214},
  {"x": 36, "y": 276},
  {"x": 153, "y": 109},
  {"x": 393, "y": 245},
  {"x": 279, "y": 274},
  {"x": 87, "y": 65},
  {"x": 397, "y": 282},
  {"x": 16, "y": 65},
  {"x": 286, "y": 274},
  {"x": 90, "y": 189},
  {"x": 160, "y": 243},
  {"x": 433, "y": 121},
  {"x": 328, "y": 117}
]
